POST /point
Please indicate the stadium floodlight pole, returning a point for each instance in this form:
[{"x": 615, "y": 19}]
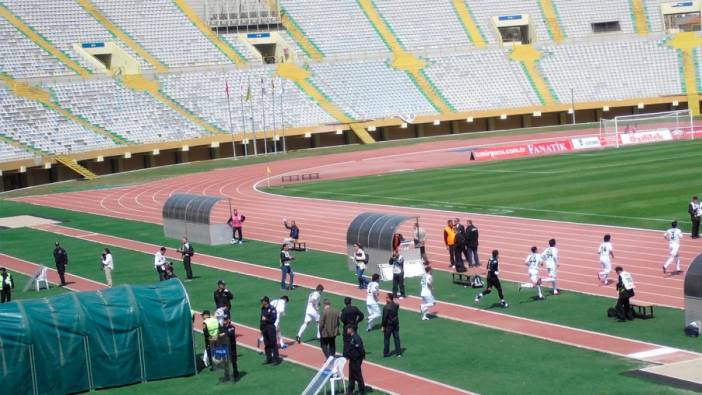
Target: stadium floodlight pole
[
  {"x": 263, "y": 99},
  {"x": 231, "y": 123},
  {"x": 253, "y": 120},
  {"x": 572, "y": 103}
]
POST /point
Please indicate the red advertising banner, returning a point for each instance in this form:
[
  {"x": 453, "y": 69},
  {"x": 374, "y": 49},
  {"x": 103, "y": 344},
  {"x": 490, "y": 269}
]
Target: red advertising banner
[{"x": 515, "y": 151}]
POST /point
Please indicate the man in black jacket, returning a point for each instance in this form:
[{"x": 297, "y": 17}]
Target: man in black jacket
[
  {"x": 268, "y": 331},
  {"x": 227, "y": 330},
  {"x": 222, "y": 296},
  {"x": 187, "y": 251},
  {"x": 471, "y": 237},
  {"x": 355, "y": 355},
  {"x": 61, "y": 259},
  {"x": 6, "y": 286},
  {"x": 625, "y": 288},
  {"x": 459, "y": 247},
  {"x": 350, "y": 316},
  {"x": 391, "y": 326},
  {"x": 695, "y": 212}
]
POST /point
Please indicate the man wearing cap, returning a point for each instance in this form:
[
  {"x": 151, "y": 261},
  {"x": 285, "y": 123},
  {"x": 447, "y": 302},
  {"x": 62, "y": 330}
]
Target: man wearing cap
[
  {"x": 159, "y": 262},
  {"x": 222, "y": 296},
  {"x": 6, "y": 285},
  {"x": 227, "y": 330},
  {"x": 210, "y": 329},
  {"x": 267, "y": 326},
  {"x": 61, "y": 260}
]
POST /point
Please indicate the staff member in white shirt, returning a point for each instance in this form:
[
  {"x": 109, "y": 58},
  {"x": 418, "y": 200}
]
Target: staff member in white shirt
[
  {"x": 159, "y": 261},
  {"x": 360, "y": 258},
  {"x": 673, "y": 235},
  {"x": 427, "y": 293},
  {"x": 606, "y": 253},
  {"x": 107, "y": 266}
]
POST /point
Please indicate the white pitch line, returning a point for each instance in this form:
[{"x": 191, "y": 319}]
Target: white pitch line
[{"x": 656, "y": 352}]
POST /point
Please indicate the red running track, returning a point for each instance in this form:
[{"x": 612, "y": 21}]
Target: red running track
[
  {"x": 523, "y": 326},
  {"x": 377, "y": 376},
  {"x": 323, "y": 223}
]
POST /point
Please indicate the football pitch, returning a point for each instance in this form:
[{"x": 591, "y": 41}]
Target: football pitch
[{"x": 640, "y": 186}]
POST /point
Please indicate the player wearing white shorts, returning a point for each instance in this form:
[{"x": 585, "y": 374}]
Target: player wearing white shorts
[
  {"x": 673, "y": 235},
  {"x": 606, "y": 253},
  {"x": 533, "y": 262},
  {"x": 551, "y": 261},
  {"x": 373, "y": 292},
  {"x": 279, "y": 305},
  {"x": 312, "y": 311},
  {"x": 427, "y": 293}
]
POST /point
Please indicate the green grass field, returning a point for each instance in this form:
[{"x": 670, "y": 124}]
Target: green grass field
[
  {"x": 642, "y": 186},
  {"x": 496, "y": 354}
]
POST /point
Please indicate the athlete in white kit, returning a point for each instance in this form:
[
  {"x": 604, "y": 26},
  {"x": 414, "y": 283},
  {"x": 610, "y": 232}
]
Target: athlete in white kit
[
  {"x": 373, "y": 291},
  {"x": 551, "y": 261},
  {"x": 279, "y": 305},
  {"x": 427, "y": 293},
  {"x": 606, "y": 253},
  {"x": 533, "y": 263},
  {"x": 673, "y": 235},
  {"x": 312, "y": 312}
]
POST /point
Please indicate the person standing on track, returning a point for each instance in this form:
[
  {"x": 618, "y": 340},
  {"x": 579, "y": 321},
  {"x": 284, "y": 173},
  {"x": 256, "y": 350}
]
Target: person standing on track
[
  {"x": 108, "y": 265},
  {"x": 61, "y": 260},
  {"x": 236, "y": 221},
  {"x": 695, "y": 211},
  {"x": 187, "y": 251},
  {"x": 269, "y": 316},
  {"x": 427, "y": 293},
  {"x": 286, "y": 267},
  {"x": 533, "y": 262},
  {"x": 673, "y": 235},
  {"x": 397, "y": 262},
  {"x": 372, "y": 299},
  {"x": 391, "y": 326},
  {"x": 606, "y": 252},
  {"x": 450, "y": 241},
  {"x": 550, "y": 259},
  {"x": 472, "y": 244},
  {"x": 493, "y": 271},
  {"x": 7, "y": 284},
  {"x": 312, "y": 312},
  {"x": 356, "y": 355},
  {"x": 360, "y": 258}
]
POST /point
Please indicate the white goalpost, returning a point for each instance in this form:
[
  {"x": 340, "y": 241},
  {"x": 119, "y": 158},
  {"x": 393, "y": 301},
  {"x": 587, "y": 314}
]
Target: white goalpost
[{"x": 643, "y": 128}]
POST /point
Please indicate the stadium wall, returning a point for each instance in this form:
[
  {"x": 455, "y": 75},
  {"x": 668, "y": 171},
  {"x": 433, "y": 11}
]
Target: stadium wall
[{"x": 37, "y": 171}]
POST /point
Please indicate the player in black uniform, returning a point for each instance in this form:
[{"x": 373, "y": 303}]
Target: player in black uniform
[{"x": 493, "y": 280}]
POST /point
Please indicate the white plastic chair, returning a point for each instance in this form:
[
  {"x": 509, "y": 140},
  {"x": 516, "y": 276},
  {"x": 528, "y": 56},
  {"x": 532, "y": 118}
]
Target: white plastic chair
[
  {"x": 41, "y": 279},
  {"x": 338, "y": 375}
]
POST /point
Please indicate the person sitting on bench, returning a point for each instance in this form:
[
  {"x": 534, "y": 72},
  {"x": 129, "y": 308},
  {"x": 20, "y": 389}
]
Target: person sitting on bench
[{"x": 294, "y": 233}]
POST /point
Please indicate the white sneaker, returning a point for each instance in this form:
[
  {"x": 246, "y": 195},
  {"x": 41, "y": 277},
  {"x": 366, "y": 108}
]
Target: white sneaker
[
  {"x": 425, "y": 318},
  {"x": 241, "y": 242},
  {"x": 232, "y": 242}
]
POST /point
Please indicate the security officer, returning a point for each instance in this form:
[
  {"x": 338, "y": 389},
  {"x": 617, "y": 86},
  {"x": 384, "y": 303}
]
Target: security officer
[
  {"x": 187, "y": 251},
  {"x": 350, "y": 316},
  {"x": 228, "y": 330},
  {"x": 355, "y": 355},
  {"x": 222, "y": 296},
  {"x": 268, "y": 317},
  {"x": 61, "y": 259},
  {"x": 210, "y": 329},
  {"x": 6, "y": 285}
]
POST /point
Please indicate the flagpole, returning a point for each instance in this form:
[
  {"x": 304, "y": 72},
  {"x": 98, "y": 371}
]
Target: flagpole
[
  {"x": 253, "y": 120},
  {"x": 231, "y": 123},
  {"x": 282, "y": 111},
  {"x": 263, "y": 102},
  {"x": 243, "y": 120},
  {"x": 275, "y": 131}
]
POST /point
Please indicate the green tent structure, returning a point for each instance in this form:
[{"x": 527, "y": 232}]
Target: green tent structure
[{"x": 88, "y": 340}]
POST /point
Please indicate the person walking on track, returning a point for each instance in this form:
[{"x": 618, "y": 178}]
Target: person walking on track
[
  {"x": 673, "y": 235},
  {"x": 61, "y": 260},
  {"x": 391, "y": 326},
  {"x": 311, "y": 312},
  {"x": 492, "y": 280},
  {"x": 372, "y": 299},
  {"x": 606, "y": 252}
]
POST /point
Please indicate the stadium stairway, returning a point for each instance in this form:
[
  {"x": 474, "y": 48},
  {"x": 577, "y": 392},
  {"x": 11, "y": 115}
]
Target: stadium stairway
[
  {"x": 121, "y": 35},
  {"x": 300, "y": 77},
  {"x": 528, "y": 56},
  {"x": 548, "y": 9},
  {"x": 466, "y": 18},
  {"x": 638, "y": 13},
  {"x": 296, "y": 32},
  {"x": 139, "y": 83},
  {"x": 686, "y": 43},
  {"x": 28, "y": 91},
  {"x": 73, "y": 165},
  {"x": 405, "y": 61},
  {"x": 42, "y": 42},
  {"x": 216, "y": 40}
]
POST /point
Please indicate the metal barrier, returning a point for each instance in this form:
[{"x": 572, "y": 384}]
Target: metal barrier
[{"x": 299, "y": 177}]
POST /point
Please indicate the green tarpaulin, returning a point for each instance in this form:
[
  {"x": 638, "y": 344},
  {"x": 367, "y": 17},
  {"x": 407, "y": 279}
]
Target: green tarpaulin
[{"x": 87, "y": 340}]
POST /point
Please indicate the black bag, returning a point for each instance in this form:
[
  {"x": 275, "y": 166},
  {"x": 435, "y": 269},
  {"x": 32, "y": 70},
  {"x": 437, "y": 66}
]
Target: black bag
[
  {"x": 476, "y": 282},
  {"x": 191, "y": 250},
  {"x": 693, "y": 329},
  {"x": 611, "y": 312}
]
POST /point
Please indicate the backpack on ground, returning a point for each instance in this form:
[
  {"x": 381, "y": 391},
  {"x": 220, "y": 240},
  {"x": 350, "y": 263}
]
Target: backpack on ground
[{"x": 476, "y": 282}]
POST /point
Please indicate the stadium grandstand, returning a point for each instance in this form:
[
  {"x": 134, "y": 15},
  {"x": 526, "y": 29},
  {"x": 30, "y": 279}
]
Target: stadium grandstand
[{"x": 100, "y": 86}]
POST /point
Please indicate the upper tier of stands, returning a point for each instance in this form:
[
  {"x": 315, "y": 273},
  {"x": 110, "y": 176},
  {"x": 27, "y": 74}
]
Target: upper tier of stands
[{"x": 356, "y": 74}]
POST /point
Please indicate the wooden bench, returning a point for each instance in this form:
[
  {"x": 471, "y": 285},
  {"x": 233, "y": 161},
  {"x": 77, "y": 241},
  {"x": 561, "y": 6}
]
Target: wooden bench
[
  {"x": 299, "y": 177},
  {"x": 310, "y": 176},
  {"x": 644, "y": 310},
  {"x": 461, "y": 278},
  {"x": 299, "y": 245},
  {"x": 295, "y": 177}
]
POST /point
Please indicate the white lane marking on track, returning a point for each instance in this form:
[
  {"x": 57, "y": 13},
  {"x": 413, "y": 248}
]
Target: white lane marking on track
[{"x": 656, "y": 352}]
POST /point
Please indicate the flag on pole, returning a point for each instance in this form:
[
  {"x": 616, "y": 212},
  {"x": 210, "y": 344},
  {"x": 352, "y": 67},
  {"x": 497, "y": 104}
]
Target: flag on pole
[{"x": 226, "y": 88}]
